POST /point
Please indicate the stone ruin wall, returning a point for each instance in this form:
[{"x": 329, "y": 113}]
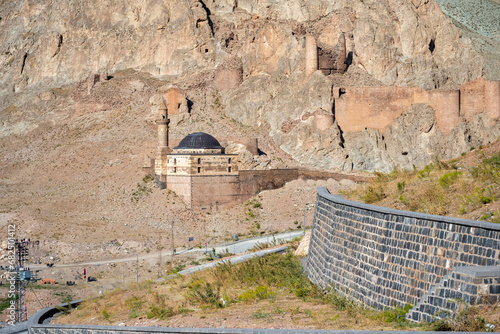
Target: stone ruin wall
[
  {"x": 479, "y": 95},
  {"x": 358, "y": 108},
  {"x": 214, "y": 192},
  {"x": 385, "y": 257}
]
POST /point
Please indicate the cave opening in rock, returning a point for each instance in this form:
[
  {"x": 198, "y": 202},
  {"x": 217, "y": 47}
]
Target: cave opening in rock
[{"x": 432, "y": 46}]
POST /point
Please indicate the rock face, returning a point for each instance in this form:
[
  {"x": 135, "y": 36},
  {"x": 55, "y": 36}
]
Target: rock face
[{"x": 254, "y": 55}]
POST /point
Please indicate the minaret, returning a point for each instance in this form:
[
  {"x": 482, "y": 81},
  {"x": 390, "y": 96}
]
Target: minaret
[{"x": 163, "y": 149}]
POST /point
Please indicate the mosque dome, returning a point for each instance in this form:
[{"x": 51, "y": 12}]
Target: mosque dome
[{"x": 198, "y": 140}]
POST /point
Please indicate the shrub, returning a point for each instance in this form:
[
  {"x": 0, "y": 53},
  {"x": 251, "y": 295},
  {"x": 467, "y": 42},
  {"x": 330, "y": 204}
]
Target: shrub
[
  {"x": 448, "y": 179},
  {"x": 474, "y": 200},
  {"x": 373, "y": 194},
  {"x": 134, "y": 303},
  {"x": 224, "y": 253},
  {"x": 273, "y": 270},
  {"x": 486, "y": 200},
  {"x": 105, "y": 314},
  {"x": 340, "y": 301},
  {"x": 160, "y": 312},
  {"x": 397, "y": 314},
  {"x": 147, "y": 178},
  {"x": 426, "y": 171},
  {"x": 261, "y": 315},
  {"x": 493, "y": 161},
  {"x": 260, "y": 292},
  {"x": 401, "y": 187},
  {"x": 140, "y": 192},
  {"x": 205, "y": 293},
  {"x": 467, "y": 319}
]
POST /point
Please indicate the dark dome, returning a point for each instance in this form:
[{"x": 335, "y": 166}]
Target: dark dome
[{"x": 198, "y": 140}]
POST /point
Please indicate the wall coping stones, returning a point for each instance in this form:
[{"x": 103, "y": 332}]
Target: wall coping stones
[
  {"x": 323, "y": 192},
  {"x": 61, "y": 329},
  {"x": 479, "y": 271}
]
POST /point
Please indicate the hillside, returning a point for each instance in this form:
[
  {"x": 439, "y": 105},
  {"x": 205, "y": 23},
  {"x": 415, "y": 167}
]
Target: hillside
[
  {"x": 252, "y": 56},
  {"x": 466, "y": 187},
  {"x": 268, "y": 292},
  {"x": 478, "y": 20},
  {"x": 253, "y": 295},
  {"x": 81, "y": 82}
]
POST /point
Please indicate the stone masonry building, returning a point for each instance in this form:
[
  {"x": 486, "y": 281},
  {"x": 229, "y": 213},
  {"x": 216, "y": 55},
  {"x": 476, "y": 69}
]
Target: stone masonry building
[
  {"x": 200, "y": 172},
  {"x": 197, "y": 170}
]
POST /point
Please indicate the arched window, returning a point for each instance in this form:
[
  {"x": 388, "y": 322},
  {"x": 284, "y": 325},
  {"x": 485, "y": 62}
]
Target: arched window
[
  {"x": 229, "y": 169},
  {"x": 175, "y": 161},
  {"x": 199, "y": 161},
  {"x": 175, "y": 169},
  {"x": 229, "y": 160},
  {"x": 199, "y": 169}
]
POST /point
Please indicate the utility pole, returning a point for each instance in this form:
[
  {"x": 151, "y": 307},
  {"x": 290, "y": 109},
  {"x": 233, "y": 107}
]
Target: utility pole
[
  {"x": 20, "y": 275},
  {"x": 205, "y": 234},
  {"x": 137, "y": 268},
  {"x": 173, "y": 245},
  {"x": 159, "y": 256},
  {"x": 305, "y": 220},
  {"x": 267, "y": 228}
]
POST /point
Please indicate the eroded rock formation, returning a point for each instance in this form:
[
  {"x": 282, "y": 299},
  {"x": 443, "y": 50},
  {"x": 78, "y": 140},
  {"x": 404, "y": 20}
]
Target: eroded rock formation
[{"x": 278, "y": 66}]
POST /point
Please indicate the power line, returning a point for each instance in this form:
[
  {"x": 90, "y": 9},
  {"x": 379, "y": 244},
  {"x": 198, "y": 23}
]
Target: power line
[
  {"x": 23, "y": 276},
  {"x": 39, "y": 302}
]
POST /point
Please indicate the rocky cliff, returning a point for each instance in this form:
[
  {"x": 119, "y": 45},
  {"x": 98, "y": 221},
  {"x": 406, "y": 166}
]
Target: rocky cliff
[{"x": 249, "y": 57}]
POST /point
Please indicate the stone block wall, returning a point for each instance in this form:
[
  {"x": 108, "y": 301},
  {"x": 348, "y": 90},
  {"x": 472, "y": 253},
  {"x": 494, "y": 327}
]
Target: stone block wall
[
  {"x": 385, "y": 257},
  {"x": 181, "y": 185},
  {"x": 202, "y": 164},
  {"x": 462, "y": 286},
  {"x": 92, "y": 329},
  {"x": 216, "y": 192},
  {"x": 480, "y": 95}
]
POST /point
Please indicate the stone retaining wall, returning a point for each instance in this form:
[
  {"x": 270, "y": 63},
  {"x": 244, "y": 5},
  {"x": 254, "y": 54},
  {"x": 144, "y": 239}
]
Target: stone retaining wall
[
  {"x": 462, "y": 286},
  {"x": 385, "y": 257},
  {"x": 83, "y": 329}
]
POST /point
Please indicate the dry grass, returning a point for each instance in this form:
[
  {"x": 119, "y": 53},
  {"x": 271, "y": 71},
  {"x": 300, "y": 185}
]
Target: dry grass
[
  {"x": 467, "y": 187},
  {"x": 269, "y": 292}
]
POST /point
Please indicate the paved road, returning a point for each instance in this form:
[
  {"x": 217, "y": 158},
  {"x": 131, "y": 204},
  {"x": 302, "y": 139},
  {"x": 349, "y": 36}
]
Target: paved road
[{"x": 233, "y": 247}]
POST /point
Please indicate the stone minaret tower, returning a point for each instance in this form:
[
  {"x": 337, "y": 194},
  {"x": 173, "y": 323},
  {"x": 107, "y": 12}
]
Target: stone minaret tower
[{"x": 163, "y": 148}]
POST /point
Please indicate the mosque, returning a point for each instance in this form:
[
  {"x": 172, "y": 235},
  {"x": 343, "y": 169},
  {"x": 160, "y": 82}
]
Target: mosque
[
  {"x": 198, "y": 170},
  {"x": 206, "y": 178}
]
